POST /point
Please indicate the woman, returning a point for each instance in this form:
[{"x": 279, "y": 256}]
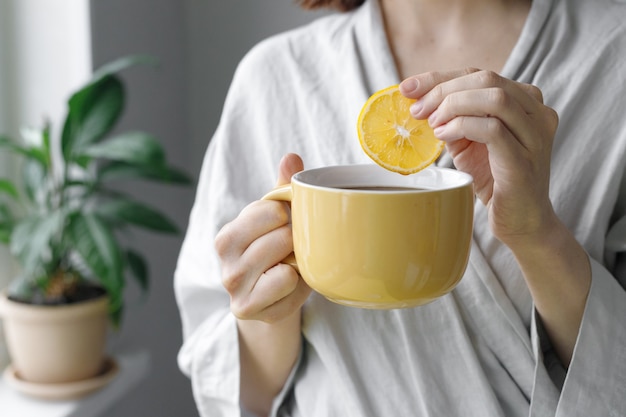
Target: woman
[{"x": 526, "y": 96}]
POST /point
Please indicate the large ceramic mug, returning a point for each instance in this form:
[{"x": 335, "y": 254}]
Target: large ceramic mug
[{"x": 367, "y": 237}]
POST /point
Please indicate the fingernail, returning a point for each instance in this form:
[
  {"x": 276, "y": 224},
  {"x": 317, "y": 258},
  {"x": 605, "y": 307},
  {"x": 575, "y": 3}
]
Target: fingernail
[
  {"x": 416, "y": 107},
  {"x": 432, "y": 119},
  {"x": 408, "y": 85},
  {"x": 439, "y": 131}
]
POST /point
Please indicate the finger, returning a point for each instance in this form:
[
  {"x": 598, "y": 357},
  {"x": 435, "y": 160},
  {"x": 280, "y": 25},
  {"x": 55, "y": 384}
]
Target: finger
[
  {"x": 256, "y": 219},
  {"x": 487, "y": 130},
  {"x": 241, "y": 274},
  {"x": 278, "y": 292},
  {"x": 290, "y": 164},
  {"x": 273, "y": 285},
  {"x": 418, "y": 85},
  {"x": 432, "y": 99},
  {"x": 262, "y": 216},
  {"x": 486, "y": 103},
  {"x": 259, "y": 217},
  {"x": 287, "y": 305},
  {"x": 268, "y": 250},
  {"x": 532, "y": 91}
]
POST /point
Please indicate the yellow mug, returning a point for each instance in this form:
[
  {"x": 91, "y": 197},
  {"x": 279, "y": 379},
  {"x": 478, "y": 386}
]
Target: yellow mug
[{"x": 370, "y": 238}]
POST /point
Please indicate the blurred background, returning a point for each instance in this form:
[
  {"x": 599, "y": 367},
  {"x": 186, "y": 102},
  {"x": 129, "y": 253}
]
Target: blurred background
[{"x": 50, "y": 47}]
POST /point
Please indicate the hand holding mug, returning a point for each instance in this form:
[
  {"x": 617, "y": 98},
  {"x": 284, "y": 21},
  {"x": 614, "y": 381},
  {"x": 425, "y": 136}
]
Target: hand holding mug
[
  {"x": 250, "y": 250},
  {"x": 501, "y": 133},
  {"x": 367, "y": 237}
]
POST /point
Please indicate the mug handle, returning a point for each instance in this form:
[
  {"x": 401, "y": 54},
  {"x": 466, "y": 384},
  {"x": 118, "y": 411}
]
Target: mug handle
[{"x": 283, "y": 193}]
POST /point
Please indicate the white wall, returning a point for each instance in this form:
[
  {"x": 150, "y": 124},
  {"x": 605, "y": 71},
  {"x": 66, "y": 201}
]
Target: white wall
[
  {"x": 40, "y": 66},
  {"x": 199, "y": 43}
]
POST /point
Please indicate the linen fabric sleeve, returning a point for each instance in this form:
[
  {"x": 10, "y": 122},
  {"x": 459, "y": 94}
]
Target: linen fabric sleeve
[
  {"x": 594, "y": 384},
  {"x": 595, "y": 381},
  {"x": 239, "y": 167},
  {"x": 209, "y": 355}
]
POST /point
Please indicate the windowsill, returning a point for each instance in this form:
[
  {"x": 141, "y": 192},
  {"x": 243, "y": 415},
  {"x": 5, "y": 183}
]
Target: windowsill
[{"x": 133, "y": 367}]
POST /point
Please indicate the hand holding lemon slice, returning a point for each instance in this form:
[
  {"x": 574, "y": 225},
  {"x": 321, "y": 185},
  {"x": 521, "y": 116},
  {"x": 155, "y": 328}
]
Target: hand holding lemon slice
[{"x": 392, "y": 137}]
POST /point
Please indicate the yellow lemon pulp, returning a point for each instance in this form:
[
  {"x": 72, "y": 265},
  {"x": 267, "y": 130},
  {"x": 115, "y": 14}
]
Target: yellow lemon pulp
[{"x": 392, "y": 137}]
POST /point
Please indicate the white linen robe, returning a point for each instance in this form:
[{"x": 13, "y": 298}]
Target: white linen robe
[{"x": 478, "y": 351}]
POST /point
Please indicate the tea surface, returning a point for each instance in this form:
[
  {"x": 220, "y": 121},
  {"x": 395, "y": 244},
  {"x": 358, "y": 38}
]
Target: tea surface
[{"x": 380, "y": 188}]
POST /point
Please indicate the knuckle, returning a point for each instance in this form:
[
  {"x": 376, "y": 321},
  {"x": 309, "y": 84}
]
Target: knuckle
[
  {"x": 460, "y": 124},
  {"x": 535, "y": 92},
  {"x": 287, "y": 240},
  {"x": 223, "y": 240},
  {"x": 489, "y": 78},
  {"x": 241, "y": 309},
  {"x": 438, "y": 92},
  {"x": 431, "y": 78},
  {"x": 276, "y": 213},
  {"x": 496, "y": 127},
  {"x": 498, "y": 97},
  {"x": 290, "y": 276},
  {"x": 281, "y": 214},
  {"x": 470, "y": 70},
  {"x": 250, "y": 209},
  {"x": 449, "y": 101},
  {"x": 553, "y": 119},
  {"x": 232, "y": 278}
]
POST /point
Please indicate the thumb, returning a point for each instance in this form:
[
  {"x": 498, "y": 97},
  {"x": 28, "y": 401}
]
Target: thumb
[{"x": 289, "y": 165}]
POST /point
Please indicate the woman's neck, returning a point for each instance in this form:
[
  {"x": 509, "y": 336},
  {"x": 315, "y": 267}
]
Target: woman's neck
[{"x": 427, "y": 35}]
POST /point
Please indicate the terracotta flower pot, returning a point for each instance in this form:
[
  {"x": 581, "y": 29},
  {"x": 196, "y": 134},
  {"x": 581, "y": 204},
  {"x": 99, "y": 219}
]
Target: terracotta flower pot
[{"x": 56, "y": 344}]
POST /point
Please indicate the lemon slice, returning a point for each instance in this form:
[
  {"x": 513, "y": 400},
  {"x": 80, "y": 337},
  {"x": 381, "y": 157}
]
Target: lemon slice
[{"x": 392, "y": 137}]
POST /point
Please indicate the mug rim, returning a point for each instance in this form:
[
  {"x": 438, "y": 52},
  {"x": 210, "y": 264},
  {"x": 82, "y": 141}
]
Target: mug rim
[{"x": 341, "y": 177}]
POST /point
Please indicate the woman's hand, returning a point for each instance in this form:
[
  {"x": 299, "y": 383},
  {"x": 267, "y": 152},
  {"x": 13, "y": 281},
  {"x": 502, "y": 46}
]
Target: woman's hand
[
  {"x": 250, "y": 249},
  {"x": 266, "y": 295},
  {"x": 501, "y": 133}
]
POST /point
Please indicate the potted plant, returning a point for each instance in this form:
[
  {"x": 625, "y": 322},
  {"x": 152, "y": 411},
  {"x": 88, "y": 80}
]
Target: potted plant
[{"x": 62, "y": 222}]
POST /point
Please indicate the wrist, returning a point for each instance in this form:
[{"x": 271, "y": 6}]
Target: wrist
[
  {"x": 557, "y": 271},
  {"x": 542, "y": 239}
]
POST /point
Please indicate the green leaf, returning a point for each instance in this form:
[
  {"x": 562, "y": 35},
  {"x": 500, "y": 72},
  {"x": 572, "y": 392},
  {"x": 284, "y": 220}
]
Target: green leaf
[
  {"x": 5, "y": 213},
  {"x": 139, "y": 269},
  {"x": 22, "y": 288},
  {"x": 101, "y": 252},
  {"x": 37, "y": 154},
  {"x": 122, "y": 63},
  {"x": 94, "y": 109},
  {"x": 124, "y": 171},
  {"x": 6, "y": 142},
  {"x": 98, "y": 248},
  {"x": 8, "y": 188},
  {"x": 31, "y": 152},
  {"x": 92, "y": 113},
  {"x": 34, "y": 176},
  {"x": 133, "y": 147},
  {"x": 116, "y": 312},
  {"x": 31, "y": 237},
  {"x": 5, "y": 233},
  {"x": 6, "y": 224},
  {"x": 46, "y": 139},
  {"x": 127, "y": 211},
  {"x": 79, "y": 183}
]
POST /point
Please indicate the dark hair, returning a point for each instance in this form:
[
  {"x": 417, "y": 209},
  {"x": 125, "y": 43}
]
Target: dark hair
[{"x": 341, "y": 5}]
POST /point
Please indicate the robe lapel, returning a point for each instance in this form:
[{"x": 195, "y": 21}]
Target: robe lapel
[{"x": 492, "y": 314}]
